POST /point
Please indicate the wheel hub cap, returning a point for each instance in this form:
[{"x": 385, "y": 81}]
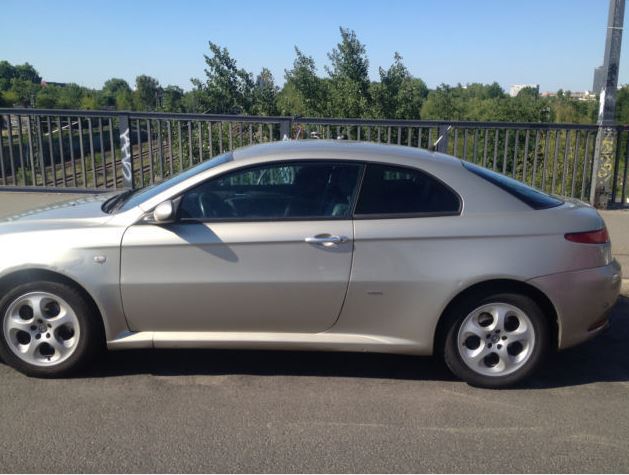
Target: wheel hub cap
[
  {"x": 496, "y": 339},
  {"x": 41, "y": 328}
]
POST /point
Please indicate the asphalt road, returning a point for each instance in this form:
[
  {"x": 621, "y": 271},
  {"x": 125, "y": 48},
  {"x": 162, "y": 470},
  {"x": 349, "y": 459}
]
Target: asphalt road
[{"x": 207, "y": 411}]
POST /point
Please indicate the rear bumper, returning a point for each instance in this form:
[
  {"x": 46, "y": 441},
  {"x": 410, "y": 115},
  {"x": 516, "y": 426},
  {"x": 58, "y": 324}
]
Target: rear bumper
[{"x": 582, "y": 299}]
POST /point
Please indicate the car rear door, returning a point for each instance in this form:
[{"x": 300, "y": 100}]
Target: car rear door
[{"x": 266, "y": 248}]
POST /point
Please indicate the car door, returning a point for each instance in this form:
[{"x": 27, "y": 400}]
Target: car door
[{"x": 266, "y": 248}]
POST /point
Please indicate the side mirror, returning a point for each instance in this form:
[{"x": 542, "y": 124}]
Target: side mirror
[{"x": 164, "y": 213}]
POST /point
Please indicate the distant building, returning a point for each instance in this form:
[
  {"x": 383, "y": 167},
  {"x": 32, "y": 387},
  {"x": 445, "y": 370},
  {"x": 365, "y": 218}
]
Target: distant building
[
  {"x": 516, "y": 88},
  {"x": 599, "y": 80},
  {"x": 578, "y": 95}
]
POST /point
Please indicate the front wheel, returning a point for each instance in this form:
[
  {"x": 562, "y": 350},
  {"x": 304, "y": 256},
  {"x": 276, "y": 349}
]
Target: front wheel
[
  {"x": 47, "y": 329},
  {"x": 496, "y": 341}
]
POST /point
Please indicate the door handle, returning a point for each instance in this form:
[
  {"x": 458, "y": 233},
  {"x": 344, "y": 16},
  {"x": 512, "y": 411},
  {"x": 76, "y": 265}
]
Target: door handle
[{"x": 326, "y": 240}]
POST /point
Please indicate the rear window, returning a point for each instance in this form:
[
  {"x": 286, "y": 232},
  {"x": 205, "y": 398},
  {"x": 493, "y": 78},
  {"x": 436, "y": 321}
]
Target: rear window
[
  {"x": 532, "y": 197},
  {"x": 399, "y": 191}
]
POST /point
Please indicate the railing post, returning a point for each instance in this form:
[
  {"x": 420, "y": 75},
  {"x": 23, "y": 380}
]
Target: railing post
[
  {"x": 126, "y": 152},
  {"x": 607, "y": 138},
  {"x": 603, "y": 166},
  {"x": 444, "y": 132},
  {"x": 285, "y": 126}
]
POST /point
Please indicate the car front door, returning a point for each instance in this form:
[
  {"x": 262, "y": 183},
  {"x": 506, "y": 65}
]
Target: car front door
[{"x": 265, "y": 248}]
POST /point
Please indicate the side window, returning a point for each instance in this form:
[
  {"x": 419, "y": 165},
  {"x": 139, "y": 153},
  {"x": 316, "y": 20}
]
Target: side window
[
  {"x": 275, "y": 191},
  {"x": 395, "y": 190}
]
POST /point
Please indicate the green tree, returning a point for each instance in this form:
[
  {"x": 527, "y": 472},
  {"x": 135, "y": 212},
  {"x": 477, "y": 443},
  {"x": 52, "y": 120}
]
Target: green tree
[
  {"x": 348, "y": 71},
  {"x": 147, "y": 93},
  {"x": 27, "y": 73},
  {"x": 7, "y": 72},
  {"x": 22, "y": 92},
  {"x": 227, "y": 88},
  {"x": 443, "y": 104},
  {"x": 265, "y": 94},
  {"x": 172, "y": 99},
  {"x": 398, "y": 95},
  {"x": 304, "y": 93}
]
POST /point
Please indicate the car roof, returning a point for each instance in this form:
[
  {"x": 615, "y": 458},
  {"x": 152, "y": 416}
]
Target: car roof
[{"x": 340, "y": 150}]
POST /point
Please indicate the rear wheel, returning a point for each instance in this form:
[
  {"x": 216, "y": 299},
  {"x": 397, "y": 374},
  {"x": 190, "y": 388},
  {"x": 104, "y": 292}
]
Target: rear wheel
[
  {"x": 497, "y": 340},
  {"x": 48, "y": 329}
]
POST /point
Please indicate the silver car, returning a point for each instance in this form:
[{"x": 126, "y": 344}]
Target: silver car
[{"x": 311, "y": 245}]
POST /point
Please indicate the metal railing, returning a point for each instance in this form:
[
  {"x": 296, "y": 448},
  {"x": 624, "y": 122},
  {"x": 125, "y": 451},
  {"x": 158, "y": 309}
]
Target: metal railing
[{"x": 102, "y": 150}]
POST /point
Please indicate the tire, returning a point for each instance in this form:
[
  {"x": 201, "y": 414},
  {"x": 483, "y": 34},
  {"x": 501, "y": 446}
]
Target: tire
[
  {"x": 48, "y": 329},
  {"x": 512, "y": 333}
]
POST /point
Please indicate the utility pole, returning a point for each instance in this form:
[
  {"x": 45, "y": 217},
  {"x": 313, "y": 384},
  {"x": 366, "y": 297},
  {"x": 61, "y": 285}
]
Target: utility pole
[{"x": 606, "y": 137}]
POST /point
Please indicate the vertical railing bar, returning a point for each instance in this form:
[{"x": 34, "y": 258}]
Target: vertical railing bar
[
  {"x": 515, "y": 153},
  {"x": 420, "y": 132},
  {"x": 62, "y": 161},
  {"x": 270, "y": 133},
  {"x": 399, "y": 135},
  {"x": 21, "y": 148},
  {"x": 623, "y": 198},
  {"x": 585, "y": 164},
  {"x": 250, "y": 135},
  {"x": 103, "y": 155},
  {"x": 82, "y": 151},
  {"x": 368, "y": 134},
  {"x": 170, "y": 147},
  {"x": 72, "y": 158},
  {"x": 566, "y": 156},
  {"x": 51, "y": 152},
  {"x": 455, "y": 150},
  {"x": 485, "y": 143},
  {"x": 190, "y": 154},
  {"x": 161, "y": 149},
  {"x": 618, "y": 153},
  {"x": 138, "y": 129},
  {"x": 575, "y": 163},
  {"x": 545, "y": 161},
  {"x": 180, "y": 136},
  {"x": 430, "y": 141},
  {"x": 220, "y": 136},
  {"x": 40, "y": 147},
  {"x": 230, "y": 136},
  {"x": 149, "y": 136},
  {"x": 113, "y": 153},
  {"x": 465, "y": 134},
  {"x": 240, "y": 134},
  {"x": 210, "y": 146},
  {"x": 92, "y": 157},
  {"x": 11, "y": 157},
  {"x": 555, "y": 159},
  {"x": 260, "y": 133},
  {"x": 200, "y": 141},
  {"x": 505, "y": 157},
  {"x": 389, "y": 135},
  {"x": 2, "y": 172},
  {"x": 475, "y": 147},
  {"x": 526, "y": 155},
  {"x": 494, "y": 165},
  {"x": 535, "y": 150},
  {"x": 379, "y": 133},
  {"x": 31, "y": 153}
]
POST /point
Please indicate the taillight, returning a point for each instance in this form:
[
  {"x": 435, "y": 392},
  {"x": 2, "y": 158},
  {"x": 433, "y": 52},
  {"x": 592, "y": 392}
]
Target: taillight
[{"x": 599, "y": 236}]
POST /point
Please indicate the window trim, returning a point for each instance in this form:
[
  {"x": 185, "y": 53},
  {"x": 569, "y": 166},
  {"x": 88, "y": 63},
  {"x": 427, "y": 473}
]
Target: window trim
[
  {"x": 361, "y": 170},
  {"x": 428, "y": 214}
]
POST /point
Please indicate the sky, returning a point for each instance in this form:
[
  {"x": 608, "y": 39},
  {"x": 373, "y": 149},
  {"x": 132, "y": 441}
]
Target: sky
[{"x": 553, "y": 43}]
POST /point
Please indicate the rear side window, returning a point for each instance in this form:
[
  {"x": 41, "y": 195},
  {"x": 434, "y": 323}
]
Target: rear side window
[
  {"x": 399, "y": 191},
  {"x": 532, "y": 197}
]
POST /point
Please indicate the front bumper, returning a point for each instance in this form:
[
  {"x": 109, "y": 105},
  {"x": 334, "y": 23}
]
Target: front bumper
[{"x": 582, "y": 299}]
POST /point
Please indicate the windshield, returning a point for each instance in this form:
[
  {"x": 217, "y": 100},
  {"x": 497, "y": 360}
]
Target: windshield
[{"x": 132, "y": 198}]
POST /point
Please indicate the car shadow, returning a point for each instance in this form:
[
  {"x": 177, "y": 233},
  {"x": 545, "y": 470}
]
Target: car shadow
[{"x": 602, "y": 359}]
